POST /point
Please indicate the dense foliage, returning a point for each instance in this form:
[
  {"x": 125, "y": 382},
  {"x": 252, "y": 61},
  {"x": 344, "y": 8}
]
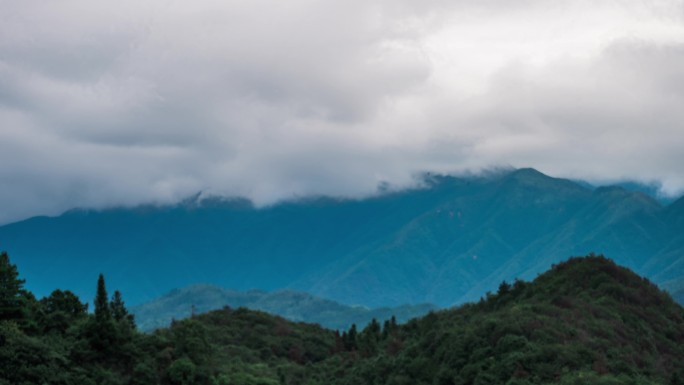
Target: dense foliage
[{"x": 586, "y": 321}]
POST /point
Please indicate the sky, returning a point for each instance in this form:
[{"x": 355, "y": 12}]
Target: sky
[{"x": 108, "y": 103}]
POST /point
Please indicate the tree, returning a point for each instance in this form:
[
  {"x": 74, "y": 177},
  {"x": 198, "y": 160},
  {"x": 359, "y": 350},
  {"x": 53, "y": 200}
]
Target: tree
[
  {"x": 389, "y": 327},
  {"x": 11, "y": 290},
  {"x": 182, "y": 371},
  {"x": 350, "y": 343},
  {"x": 64, "y": 301},
  {"x": 369, "y": 338},
  {"x": 144, "y": 373},
  {"x": 123, "y": 329},
  {"x": 60, "y": 310},
  {"x": 504, "y": 288},
  {"x": 119, "y": 311},
  {"x": 101, "y": 330},
  {"x": 191, "y": 339},
  {"x": 103, "y": 313},
  {"x": 25, "y": 359}
]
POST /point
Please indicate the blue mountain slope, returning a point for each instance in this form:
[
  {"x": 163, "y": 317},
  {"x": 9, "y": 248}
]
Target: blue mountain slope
[{"x": 448, "y": 242}]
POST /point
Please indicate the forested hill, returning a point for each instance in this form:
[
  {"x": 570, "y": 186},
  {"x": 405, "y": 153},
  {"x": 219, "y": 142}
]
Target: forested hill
[
  {"x": 448, "y": 242},
  {"x": 585, "y": 321},
  {"x": 292, "y": 305}
]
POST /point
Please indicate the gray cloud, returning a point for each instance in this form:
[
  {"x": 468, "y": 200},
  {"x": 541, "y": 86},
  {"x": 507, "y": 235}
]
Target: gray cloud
[{"x": 129, "y": 102}]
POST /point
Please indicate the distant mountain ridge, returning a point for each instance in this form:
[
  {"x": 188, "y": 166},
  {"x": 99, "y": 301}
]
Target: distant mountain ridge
[
  {"x": 295, "y": 306},
  {"x": 448, "y": 242}
]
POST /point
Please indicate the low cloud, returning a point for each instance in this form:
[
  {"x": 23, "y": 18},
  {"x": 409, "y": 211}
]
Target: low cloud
[{"x": 131, "y": 102}]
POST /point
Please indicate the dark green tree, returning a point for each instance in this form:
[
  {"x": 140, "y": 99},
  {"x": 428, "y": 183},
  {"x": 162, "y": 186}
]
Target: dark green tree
[
  {"x": 389, "y": 327},
  {"x": 64, "y": 301},
  {"x": 369, "y": 338},
  {"x": 182, "y": 372},
  {"x": 60, "y": 310},
  {"x": 144, "y": 373},
  {"x": 103, "y": 313},
  {"x": 119, "y": 311},
  {"x": 11, "y": 290},
  {"x": 101, "y": 330},
  {"x": 351, "y": 343},
  {"x": 504, "y": 288},
  {"x": 25, "y": 359},
  {"x": 191, "y": 339},
  {"x": 123, "y": 330}
]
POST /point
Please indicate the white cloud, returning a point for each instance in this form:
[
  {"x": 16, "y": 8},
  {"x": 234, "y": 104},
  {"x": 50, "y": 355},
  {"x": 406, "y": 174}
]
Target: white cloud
[{"x": 107, "y": 103}]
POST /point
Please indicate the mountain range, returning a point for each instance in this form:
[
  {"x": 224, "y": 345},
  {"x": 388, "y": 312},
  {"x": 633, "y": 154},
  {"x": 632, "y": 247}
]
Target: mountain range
[{"x": 447, "y": 242}]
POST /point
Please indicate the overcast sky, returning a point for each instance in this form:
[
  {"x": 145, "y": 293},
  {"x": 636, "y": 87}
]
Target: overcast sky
[{"x": 121, "y": 102}]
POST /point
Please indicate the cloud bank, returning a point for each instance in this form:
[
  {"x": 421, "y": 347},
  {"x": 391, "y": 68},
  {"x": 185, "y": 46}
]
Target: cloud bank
[{"x": 120, "y": 103}]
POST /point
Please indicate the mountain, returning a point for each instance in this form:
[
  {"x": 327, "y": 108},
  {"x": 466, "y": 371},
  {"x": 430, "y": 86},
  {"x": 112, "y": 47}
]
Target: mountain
[
  {"x": 651, "y": 189},
  {"x": 584, "y": 321},
  {"x": 587, "y": 320},
  {"x": 294, "y": 306},
  {"x": 447, "y": 242},
  {"x": 670, "y": 257}
]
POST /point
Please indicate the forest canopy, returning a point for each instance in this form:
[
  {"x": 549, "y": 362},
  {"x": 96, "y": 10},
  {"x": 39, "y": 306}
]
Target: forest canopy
[{"x": 586, "y": 320}]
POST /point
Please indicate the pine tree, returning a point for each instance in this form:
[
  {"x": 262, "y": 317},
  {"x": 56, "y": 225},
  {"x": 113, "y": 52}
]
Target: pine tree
[
  {"x": 373, "y": 328},
  {"x": 351, "y": 342},
  {"x": 117, "y": 306},
  {"x": 504, "y": 288},
  {"x": 101, "y": 329},
  {"x": 385, "y": 329},
  {"x": 339, "y": 341},
  {"x": 11, "y": 290},
  {"x": 389, "y": 327},
  {"x": 369, "y": 337},
  {"x": 118, "y": 309},
  {"x": 103, "y": 313}
]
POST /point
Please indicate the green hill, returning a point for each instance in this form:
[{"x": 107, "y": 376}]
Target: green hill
[
  {"x": 292, "y": 305},
  {"x": 585, "y": 321}
]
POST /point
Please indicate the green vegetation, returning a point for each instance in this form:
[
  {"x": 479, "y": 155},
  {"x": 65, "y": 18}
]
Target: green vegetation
[
  {"x": 289, "y": 304},
  {"x": 585, "y": 321}
]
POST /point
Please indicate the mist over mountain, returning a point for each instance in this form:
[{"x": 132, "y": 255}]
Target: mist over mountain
[{"x": 448, "y": 242}]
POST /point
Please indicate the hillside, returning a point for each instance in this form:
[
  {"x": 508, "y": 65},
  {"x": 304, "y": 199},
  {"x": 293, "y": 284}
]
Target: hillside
[
  {"x": 294, "y": 306},
  {"x": 585, "y": 321},
  {"x": 445, "y": 243},
  {"x": 586, "y": 318}
]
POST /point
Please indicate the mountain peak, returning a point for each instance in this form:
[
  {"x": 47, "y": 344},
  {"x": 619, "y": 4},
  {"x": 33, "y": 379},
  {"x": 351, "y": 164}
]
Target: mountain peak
[
  {"x": 598, "y": 276},
  {"x": 531, "y": 176},
  {"x": 529, "y": 172}
]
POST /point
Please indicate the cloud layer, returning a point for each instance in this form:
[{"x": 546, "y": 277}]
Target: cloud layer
[{"x": 119, "y": 103}]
